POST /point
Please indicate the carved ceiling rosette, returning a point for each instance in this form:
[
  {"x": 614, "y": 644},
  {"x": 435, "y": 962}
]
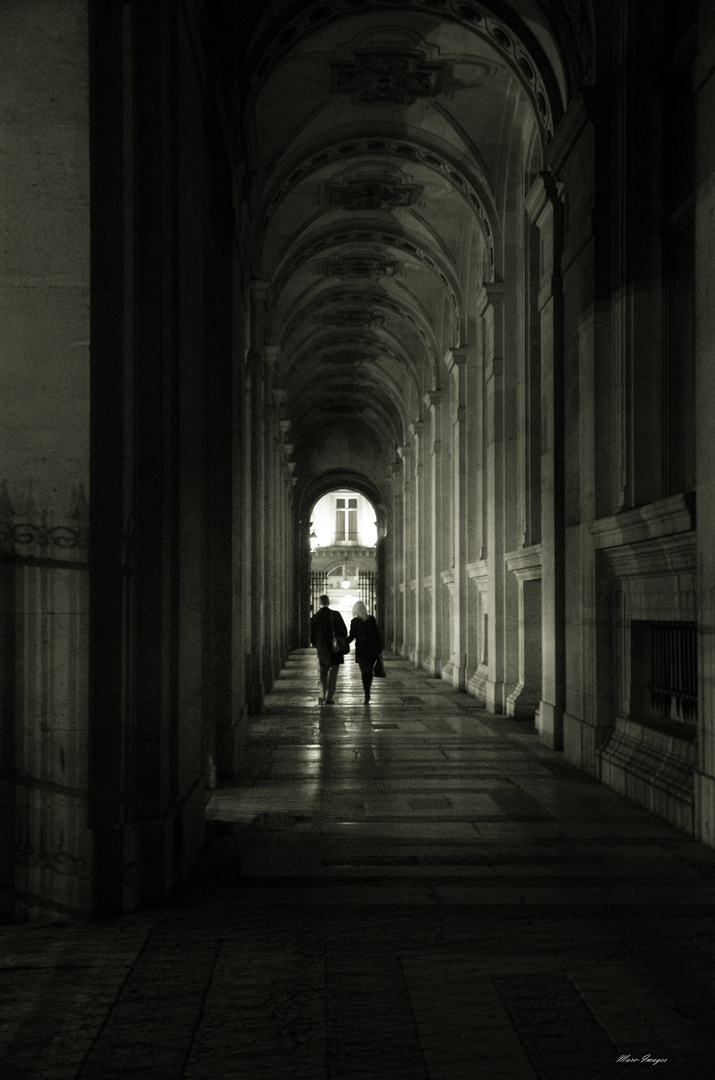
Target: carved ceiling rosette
[
  {"x": 387, "y": 77},
  {"x": 351, "y": 356},
  {"x": 351, "y": 318},
  {"x": 376, "y": 192},
  {"x": 368, "y": 267}
]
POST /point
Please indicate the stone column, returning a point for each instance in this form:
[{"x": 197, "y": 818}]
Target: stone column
[
  {"x": 271, "y": 496},
  {"x": 704, "y": 83},
  {"x": 256, "y": 522},
  {"x": 268, "y": 510},
  {"x": 436, "y": 532},
  {"x": 408, "y": 551},
  {"x": 395, "y": 542},
  {"x": 417, "y": 432},
  {"x": 490, "y": 310},
  {"x": 525, "y": 564},
  {"x": 286, "y": 535},
  {"x": 255, "y": 597},
  {"x": 456, "y": 364},
  {"x": 425, "y": 578},
  {"x": 545, "y": 210}
]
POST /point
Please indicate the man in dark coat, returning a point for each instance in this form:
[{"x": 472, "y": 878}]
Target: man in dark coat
[{"x": 324, "y": 626}]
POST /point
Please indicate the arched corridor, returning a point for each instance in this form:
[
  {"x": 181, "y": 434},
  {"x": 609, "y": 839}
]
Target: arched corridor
[{"x": 455, "y": 257}]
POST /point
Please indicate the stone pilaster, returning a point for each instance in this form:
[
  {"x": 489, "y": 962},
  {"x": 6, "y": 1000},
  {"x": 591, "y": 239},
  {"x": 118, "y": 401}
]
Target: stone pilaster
[
  {"x": 704, "y": 82},
  {"x": 434, "y": 663},
  {"x": 456, "y": 363},
  {"x": 490, "y": 303},
  {"x": 525, "y": 564},
  {"x": 545, "y": 210},
  {"x": 395, "y": 559},
  {"x": 45, "y": 279},
  {"x": 408, "y": 551},
  {"x": 285, "y": 533},
  {"x": 256, "y": 602},
  {"x": 420, "y": 520}
]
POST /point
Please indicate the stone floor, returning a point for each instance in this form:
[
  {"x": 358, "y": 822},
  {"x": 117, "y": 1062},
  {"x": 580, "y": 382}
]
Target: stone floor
[{"x": 414, "y": 890}]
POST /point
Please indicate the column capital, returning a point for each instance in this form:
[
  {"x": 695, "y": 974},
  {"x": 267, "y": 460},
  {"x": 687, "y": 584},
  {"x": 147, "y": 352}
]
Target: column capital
[
  {"x": 259, "y": 289},
  {"x": 270, "y": 362},
  {"x": 432, "y": 399},
  {"x": 491, "y": 295},
  {"x": 259, "y": 313},
  {"x": 544, "y": 193},
  {"x": 455, "y": 358},
  {"x": 578, "y": 117}
]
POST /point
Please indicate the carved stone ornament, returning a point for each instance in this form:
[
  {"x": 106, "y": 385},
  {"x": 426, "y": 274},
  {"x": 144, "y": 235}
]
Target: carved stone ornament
[
  {"x": 354, "y": 317},
  {"x": 394, "y": 75},
  {"x": 369, "y": 267},
  {"x": 351, "y": 356},
  {"x": 340, "y": 410},
  {"x": 371, "y": 193},
  {"x": 387, "y": 77},
  {"x": 580, "y": 15}
]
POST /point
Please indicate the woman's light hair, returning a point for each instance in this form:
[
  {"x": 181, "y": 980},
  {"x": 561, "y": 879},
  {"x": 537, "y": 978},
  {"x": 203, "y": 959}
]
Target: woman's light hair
[{"x": 359, "y": 610}]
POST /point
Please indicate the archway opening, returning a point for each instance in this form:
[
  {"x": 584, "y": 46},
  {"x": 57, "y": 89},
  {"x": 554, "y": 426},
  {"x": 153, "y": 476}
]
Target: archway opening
[{"x": 343, "y": 556}]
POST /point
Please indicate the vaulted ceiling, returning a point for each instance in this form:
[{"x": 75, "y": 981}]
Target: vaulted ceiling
[{"x": 387, "y": 144}]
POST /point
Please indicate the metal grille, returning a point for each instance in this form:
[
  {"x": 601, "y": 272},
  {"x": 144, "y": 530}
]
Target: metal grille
[
  {"x": 367, "y": 586},
  {"x": 318, "y": 587},
  {"x": 674, "y": 670}
]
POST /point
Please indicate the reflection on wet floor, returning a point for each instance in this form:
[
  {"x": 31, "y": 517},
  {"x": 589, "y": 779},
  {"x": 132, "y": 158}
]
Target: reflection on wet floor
[{"x": 410, "y": 890}]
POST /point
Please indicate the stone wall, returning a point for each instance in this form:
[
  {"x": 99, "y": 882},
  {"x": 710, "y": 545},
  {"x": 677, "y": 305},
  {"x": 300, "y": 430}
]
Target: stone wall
[{"x": 44, "y": 452}]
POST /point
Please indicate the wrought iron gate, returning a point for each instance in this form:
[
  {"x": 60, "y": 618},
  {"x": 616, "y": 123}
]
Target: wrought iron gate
[
  {"x": 367, "y": 586},
  {"x": 318, "y": 586}
]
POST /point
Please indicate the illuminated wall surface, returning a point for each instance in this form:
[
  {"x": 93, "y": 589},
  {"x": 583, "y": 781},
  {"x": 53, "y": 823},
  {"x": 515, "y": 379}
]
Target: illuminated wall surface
[
  {"x": 344, "y": 525},
  {"x": 344, "y": 517}
]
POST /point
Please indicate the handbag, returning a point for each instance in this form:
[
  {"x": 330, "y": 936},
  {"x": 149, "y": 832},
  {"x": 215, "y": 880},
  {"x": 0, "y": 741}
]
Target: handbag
[
  {"x": 379, "y": 669},
  {"x": 340, "y": 642}
]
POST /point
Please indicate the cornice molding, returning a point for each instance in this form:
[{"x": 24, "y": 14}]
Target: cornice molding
[
  {"x": 666, "y": 517},
  {"x": 525, "y": 563}
]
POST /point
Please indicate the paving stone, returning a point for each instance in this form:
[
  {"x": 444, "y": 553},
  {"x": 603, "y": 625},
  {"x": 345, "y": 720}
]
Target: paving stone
[{"x": 423, "y": 892}]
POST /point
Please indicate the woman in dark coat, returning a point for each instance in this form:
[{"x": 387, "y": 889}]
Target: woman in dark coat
[{"x": 368, "y": 644}]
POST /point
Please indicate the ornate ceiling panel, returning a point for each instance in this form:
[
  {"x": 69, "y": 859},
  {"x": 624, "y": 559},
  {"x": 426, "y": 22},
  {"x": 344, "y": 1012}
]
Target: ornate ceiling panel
[{"x": 386, "y": 138}]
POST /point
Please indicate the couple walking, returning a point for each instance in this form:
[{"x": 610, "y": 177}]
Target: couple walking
[{"x": 326, "y": 625}]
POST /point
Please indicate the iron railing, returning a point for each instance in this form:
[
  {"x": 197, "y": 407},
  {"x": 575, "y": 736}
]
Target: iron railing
[
  {"x": 674, "y": 670},
  {"x": 367, "y": 587},
  {"x": 318, "y": 587}
]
